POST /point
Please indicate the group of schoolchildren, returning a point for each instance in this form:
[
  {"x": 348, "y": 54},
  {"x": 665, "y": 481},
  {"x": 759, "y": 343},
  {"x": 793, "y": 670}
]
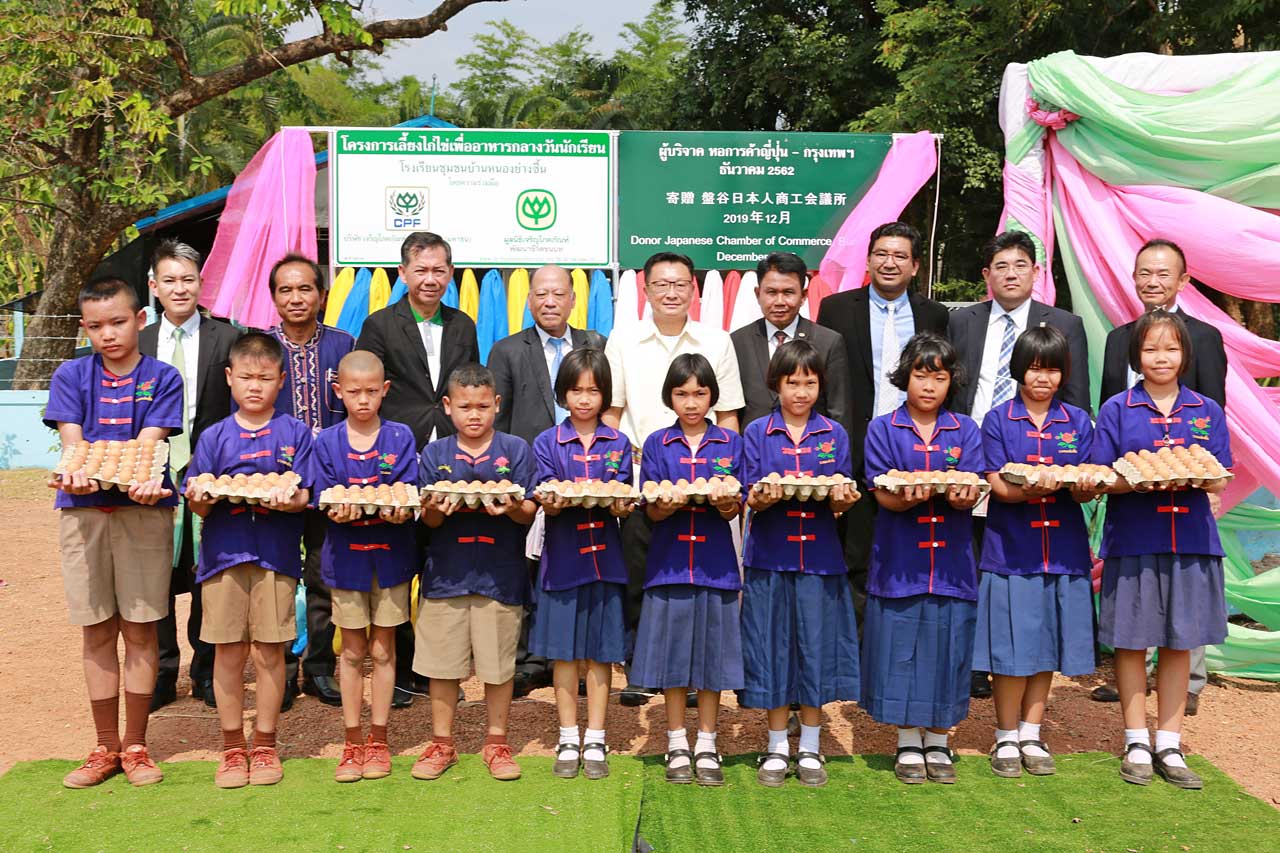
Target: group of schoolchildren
[{"x": 781, "y": 630}]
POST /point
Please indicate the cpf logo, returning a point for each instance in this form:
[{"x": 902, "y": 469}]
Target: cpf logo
[
  {"x": 406, "y": 208},
  {"x": 536, "y": 210}
]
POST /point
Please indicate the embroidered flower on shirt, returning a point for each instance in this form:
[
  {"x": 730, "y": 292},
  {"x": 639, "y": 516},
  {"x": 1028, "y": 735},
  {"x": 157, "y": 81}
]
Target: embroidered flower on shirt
[
  {"x": 385, "y": 461},
  {"x": 145, "y": 390},
  {"x": 722, "y": 465},
  {"x": 444, "y": 468},
  {"x": 1067, "y": 441},
  {"x": 1200, "y": 426},
  {"x": 613, "y": 460},
  {"x": 953, "y": 455},
  {"x": 827, "y": 450},
  {"x": 502, "y": 465},
  {"x": 286, "y": 454}
]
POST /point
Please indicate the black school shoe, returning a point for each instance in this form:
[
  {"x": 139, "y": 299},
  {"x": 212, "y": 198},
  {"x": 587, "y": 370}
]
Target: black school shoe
[
  {"x": 1008, "y": 768},
  {"x": 937, "y": 771},
  {"x": 595, "y": 769},
  {"x": 712, "y": 777},
  {"x": 633, "y": 696},
  {"x": 909, "y": 774},
  {"x": 679, "y": 775},
  {"x": 290, "y": 694},
  {"x": 811, "y": 777},
  {"x": 773, "y": 778},
  {"x": 164, "y": 693},
  {"x": 979, "y": 685},
  {"x": 401, "y": 697},
  {"x": 324, "y": 688},
  {"x": 566, "y": 768},
  {"x": 1180, "y": 777}
]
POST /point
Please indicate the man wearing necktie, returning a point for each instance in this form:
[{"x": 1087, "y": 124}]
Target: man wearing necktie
[
  {"x": 524, "y": 368},
  {"x": 197, "y": 347}
]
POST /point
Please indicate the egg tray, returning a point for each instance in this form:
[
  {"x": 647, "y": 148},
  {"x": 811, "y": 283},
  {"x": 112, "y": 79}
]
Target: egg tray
[
  {"x": 803, "y": 487},
  {"x": 698, "y": 491},
  {"x": 372, "y": 498},
  {"x": 475, "y": 493},
  {"x": 93, "y": 458},
  {"x": 895, "y": 481},
  {"x": 1172, "y": 467},
  {"x": 244, "y": 488},
  {"x": 1023, "y": 473},
  {"x": 588, "y": 493}
]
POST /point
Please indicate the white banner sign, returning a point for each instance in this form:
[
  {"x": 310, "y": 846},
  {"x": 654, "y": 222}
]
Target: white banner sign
[{"x": 500, "y": 197}]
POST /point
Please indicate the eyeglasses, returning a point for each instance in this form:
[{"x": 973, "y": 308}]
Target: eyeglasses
[
  {"x": 881, "y": 257},
  {"x": 1020, "y": 267},
  {"x": 680, "y": 285}
]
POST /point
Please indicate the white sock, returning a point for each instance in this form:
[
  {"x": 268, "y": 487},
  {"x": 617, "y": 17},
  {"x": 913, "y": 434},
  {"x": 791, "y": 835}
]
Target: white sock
[
  {"x": 593, "y": 736},
  {"x": 1170, "y": 740},
  {"x": 706, "y": 743},
  {"x": 569, "y": 734},
  {"x": 809, "y": 742},
  {"x": 935, "y": 739},
  {"x": 1141, "y": 736},
  {"x": 1007, "y": 751},
  {"x": 910, "y": 737},
  {"x": 677, "y": 739},
  {"x": 1030, "y": 731},
  {"x": 777, "y": 743}
]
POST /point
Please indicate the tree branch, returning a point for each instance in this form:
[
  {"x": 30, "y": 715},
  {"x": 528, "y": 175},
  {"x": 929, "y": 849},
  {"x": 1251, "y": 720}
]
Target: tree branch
[
  {"x": 199, "y": 89},
  {"x": 177, "y": 52}
]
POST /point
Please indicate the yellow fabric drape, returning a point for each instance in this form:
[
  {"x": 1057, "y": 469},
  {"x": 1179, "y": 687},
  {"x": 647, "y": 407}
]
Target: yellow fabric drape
[
  {"x": 469, "y": 295},
  {"x": 338, "y": 295},
  {"x": 379, "y": 290},
  {"x": 517, "y": 297},
  {"x": 582, "y": 298}
]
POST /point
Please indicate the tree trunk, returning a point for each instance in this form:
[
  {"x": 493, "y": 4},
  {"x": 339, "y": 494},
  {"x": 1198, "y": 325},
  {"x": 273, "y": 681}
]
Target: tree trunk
[{"x": 1260, "y": 318}]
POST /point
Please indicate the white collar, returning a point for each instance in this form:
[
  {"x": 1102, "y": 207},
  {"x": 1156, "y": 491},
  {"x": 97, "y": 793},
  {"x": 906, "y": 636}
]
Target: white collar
[
  {"x": 189, "y": 327},
  {"x": 770, "y": 330},
  {"x": 1018, "y": 314},
  {"x": 544, "y": 336},
  {"x": 649, "y": 329}
]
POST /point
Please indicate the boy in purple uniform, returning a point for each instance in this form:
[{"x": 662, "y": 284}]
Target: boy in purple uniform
[
  {"x": 117, "y": 547},
  {"x": 367, "y": 561},
  {"x": 475, "y": 582},
  {"x": 250, "y": 556},
  {"x": 917, "y": 641}
]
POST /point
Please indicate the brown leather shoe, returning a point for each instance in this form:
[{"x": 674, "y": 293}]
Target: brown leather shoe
[
  {"x": 1038, "y": 765},
  {"x": 377, "y": 759},
  {"x": 435, "y": 759},
  {"x": 497, "y": 757},
  {"x": 943, "y": 772},
  {"x": 1138, "y": 774},
  {"x": 100, "y": 766},
  {"x": 233, "y": 772},
  {"x": 1181, "y": 777},
  {"x": 773, "y": 778},
  {"x": 909, "y": 774},
  {"x": 712, "y": 776},
  {"x": 138, "y": 767},
  {"x": 595, "y": 769},
  {"x": 682, "y": 775},
  {"x": 264, "y": 766},
  {"x": 351, "y": 766},
  {"x": 814, "y": 777},
  {"x": 1009, "y": 768},
  {"x": 567, "y": 768}
]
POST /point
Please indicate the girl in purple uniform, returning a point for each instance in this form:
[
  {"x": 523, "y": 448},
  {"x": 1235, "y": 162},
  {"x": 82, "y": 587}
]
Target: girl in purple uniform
[
  {"x": 579, "y": 618},
  {"x": 1035, "y": 599},
  {"x": 689, "y": 634},
  {"x": 1162, "y": 582},
  {"x": 799, "y": 633},
  {"x": 922, "y": 587}
]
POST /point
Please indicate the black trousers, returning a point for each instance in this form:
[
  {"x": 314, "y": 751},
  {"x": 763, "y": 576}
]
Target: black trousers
[
  {"x": 637, "y": 532},
  {"x": 184, "y": 581},
  {"x": 525, "y": 662},
  {"x": 856, "y": 529},
  {"x": 318, "y": 657}
]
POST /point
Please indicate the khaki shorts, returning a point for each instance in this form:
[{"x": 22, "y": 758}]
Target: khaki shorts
[
  {"x": 356, "y": 609},
  {"x": 452, "y": 633},
  {"x": 116, "y": 562},
  {"x": 248, "y": 603}
]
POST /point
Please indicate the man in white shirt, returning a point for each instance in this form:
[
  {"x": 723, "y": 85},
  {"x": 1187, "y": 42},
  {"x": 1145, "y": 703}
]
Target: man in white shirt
[
  {"x": 638, "y": 360},
  {"x": 197, "y": 347}
]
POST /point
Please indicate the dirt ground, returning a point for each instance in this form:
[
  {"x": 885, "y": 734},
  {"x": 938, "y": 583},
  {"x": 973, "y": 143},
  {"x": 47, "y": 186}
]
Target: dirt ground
[{"x": 42, "y": 692}]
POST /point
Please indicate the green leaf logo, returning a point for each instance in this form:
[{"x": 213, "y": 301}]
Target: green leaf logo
[
  {"x": 407, "y": 202},
  {"x": 536, "y": 210}
]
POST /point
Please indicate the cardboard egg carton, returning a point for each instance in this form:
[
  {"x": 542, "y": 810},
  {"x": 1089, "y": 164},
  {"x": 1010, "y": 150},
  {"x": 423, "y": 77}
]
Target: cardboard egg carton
[
  {"x": 1024, "y": 473},
  {"x": 118, "y": 464},
  {"x": 697, "y": 491},
  {"x": 372, "y": 498},
  {"x": 475, "y": 493},
  {"x": 803, "y": 487},
  {"x": 589, "y": 493},
  {"x": 896, "y": 481},
  {"x": 244, "y": 488},
  {"x": 1171, "y": 467}
]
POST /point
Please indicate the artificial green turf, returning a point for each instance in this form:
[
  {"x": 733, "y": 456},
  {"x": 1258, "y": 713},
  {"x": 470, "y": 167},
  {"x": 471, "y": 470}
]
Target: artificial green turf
[
  {"x": 863, "y": 808},
  {"x": 308, "y": 811}
]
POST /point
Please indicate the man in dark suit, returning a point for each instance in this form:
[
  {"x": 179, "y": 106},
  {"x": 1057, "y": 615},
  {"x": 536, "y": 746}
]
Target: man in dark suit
[
  {"x": 876, "y": 323},
  {"x": 979, "y": 332},
  {"x": 198, "y": 347},
  {"x": 525, "y": 366},
  {"x": 1159, "y": 275},
  {"x": 420, "y": 343},
  {"x": 782, "y": 278}
]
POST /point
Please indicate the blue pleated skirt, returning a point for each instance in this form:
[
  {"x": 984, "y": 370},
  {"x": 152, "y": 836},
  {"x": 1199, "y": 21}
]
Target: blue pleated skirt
[
  {"x": 583, "y": 623},
  {"x": 1172, "y": 601},
  {"x": 917, "y": 656},
  {"x": 689, "y": 636},
  {"x": 1034, "y": 623},
  {"x": 799, "y": 639}
]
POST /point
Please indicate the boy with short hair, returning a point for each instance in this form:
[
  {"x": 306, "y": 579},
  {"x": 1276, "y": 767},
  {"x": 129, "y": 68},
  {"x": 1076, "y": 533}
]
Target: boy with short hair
[
  {"x": 116, "y": 547},
  {"x": 367, "y": 562},
  {"x": 250, "y": 555},
  {"x": 475, "y": 583}
]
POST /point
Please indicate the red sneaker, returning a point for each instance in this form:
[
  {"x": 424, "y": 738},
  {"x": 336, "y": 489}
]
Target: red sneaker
[
  {"x": 100, "y": 766},
  {"x": 264, "y": 766},
  {"x": 435, "y": 759},
  {"x": 233, "y": 772},
  {"x": 351, "y": 767},
  {"x": 138, "y": 767},
  {"x": 377, "y": 759},
  {"x": 497, "y": 757}
]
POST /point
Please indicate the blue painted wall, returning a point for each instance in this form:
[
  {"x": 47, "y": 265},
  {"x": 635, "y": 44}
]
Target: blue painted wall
[{"x": 25, "y": 442}]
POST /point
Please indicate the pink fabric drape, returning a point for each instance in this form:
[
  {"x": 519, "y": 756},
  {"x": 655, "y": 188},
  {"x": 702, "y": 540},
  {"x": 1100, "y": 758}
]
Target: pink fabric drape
[
  {"x": 270, "y": 212},
  {"x": 912, "y": 160},
  {"x": 1104, "y": 242},
  {"x": 1024, "y": 205}
]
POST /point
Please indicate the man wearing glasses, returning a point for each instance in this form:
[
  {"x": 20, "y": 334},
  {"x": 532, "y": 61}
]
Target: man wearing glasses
[{"x": 638, "y": 359}]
